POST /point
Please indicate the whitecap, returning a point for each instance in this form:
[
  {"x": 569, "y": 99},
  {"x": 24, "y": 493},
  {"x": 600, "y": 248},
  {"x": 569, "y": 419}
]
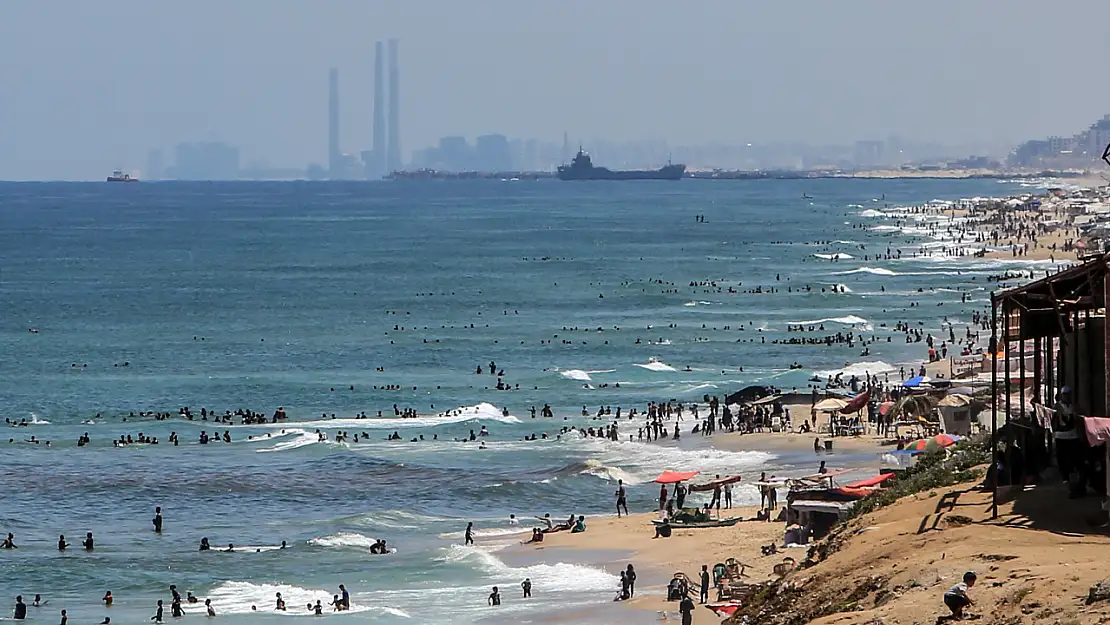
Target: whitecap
[
  {"x": 851, "y": 320},
  {"x": 655, "y": 365},
  {"x": 878, "y": 271},
  {"x": 576, "y": 374},
  {"x": 234, "y": 597},
  {"x": 836, "y": 256},
  {"x": 859, "y": 369},
  {"x": 557, "y": 577}
]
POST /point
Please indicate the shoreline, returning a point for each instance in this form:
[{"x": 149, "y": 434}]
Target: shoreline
[{"x": 687, "y": 549}]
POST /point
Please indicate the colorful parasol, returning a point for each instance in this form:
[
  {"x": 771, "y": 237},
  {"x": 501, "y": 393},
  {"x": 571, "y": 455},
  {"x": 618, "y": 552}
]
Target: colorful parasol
[{"x": 940, "y": 440}]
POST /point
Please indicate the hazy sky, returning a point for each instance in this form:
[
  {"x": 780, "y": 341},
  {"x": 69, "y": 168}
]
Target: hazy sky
[{"x": 88, "y": 86}]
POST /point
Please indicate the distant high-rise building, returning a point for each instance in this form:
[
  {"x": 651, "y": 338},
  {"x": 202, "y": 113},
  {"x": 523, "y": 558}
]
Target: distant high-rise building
[
  {"x": 393, "y": 155},
  {"x": 377, "y": 162},
  {"x": 335, "y": 156},
  {"x": 154, "y": 166}
]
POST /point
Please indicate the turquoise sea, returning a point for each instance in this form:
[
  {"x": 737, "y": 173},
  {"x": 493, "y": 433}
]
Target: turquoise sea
[{"x": 120, "y": 299}]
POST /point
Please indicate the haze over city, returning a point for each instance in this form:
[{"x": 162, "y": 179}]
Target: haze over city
[{"x": 89, "y": 87}]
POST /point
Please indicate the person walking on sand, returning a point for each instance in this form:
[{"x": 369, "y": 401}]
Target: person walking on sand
[
  {"x": 630, "y": 575},
  {"x": 728, "y": 496},
  {"x": 468, "y": 536},
  {"x": 704, "y": 583},
  {"x": 622, "y": 499},
  {"x": 662, "y": 496}
]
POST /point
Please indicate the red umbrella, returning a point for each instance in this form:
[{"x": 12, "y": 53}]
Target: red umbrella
[
  {"x": 857, "y": 403},
  {"x": 940, "y": 440},
  {"x": 885, "y": 407},
  {"x": 672, "y": 477}
]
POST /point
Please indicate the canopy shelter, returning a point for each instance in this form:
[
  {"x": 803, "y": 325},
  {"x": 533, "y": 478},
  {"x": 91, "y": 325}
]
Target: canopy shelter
[
  {"x": 1061, "y": 321},
  {"x": 674, "y": 477},
  {"x": 955, "y": 400}
]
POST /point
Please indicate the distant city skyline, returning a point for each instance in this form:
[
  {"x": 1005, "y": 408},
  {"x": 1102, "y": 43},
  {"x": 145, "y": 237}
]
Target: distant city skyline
[{"x": 90, "y": 93}]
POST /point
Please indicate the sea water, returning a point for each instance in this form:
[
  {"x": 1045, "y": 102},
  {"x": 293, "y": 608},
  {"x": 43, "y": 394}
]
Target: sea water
[{"x": 116, "y": 299}]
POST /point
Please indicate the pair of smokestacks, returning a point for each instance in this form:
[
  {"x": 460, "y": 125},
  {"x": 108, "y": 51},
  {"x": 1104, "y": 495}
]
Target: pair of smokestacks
[{"x": 386, "y": 148}]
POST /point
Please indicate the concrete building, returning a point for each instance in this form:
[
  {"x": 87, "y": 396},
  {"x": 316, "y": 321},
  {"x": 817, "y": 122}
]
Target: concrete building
[
  {"x": 335, "y": 155},
  {"x": 205, "y": 161}
]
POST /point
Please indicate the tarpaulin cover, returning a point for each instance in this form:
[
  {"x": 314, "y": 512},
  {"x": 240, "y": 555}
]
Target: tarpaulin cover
[
  {"x": 671, "y": 477},
  {"x": 1098, "y": 430}
]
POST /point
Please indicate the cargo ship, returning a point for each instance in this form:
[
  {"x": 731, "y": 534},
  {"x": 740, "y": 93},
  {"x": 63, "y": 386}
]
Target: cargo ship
[
  {"x": 582, "y": 168},
  {"x": 119, "y": 176}
]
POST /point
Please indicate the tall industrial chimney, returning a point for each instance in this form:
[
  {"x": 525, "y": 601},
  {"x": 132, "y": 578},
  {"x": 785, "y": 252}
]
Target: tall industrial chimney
[
  {"x": 393, "y": 158},
  {"x": 335, "y": 157},
  {"x": 378, "y": 166}
]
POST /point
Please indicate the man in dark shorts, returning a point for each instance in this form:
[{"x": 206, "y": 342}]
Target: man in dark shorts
[
  {"x": 956, "y": 597},
  {"x": 622, "y": 499}
]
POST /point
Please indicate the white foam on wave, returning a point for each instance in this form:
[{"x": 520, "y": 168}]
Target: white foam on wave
[
  {"x": 698, "y": 303},
  {"x": 480, "y": 412},
  {"x": 870, "y": 212},
  {"x": 302, "y": 439},
  {"x": 656, "y": 365},
  {"x": 576, "y": 374},
  {"x": 836, "y": 256},
  {"x": 490, "y": 532},
  {"x": 850, "y": 320},
  {"x": 878, "y": 271},
  {"x": 398, "y": 519},
  {"x": 557, "y": 577},
  {"x": 842, "y": 288},
  {"x": 344, "y": 539},
  {"x": 636, "y": 462},
  {"x": 859, "y": 369},
  {"x": 233, "y": 597},
  {"x": 35, "y": 420}
]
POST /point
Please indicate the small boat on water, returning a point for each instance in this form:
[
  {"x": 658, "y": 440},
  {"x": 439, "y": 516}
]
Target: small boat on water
[{"x": 119, "y": 176}]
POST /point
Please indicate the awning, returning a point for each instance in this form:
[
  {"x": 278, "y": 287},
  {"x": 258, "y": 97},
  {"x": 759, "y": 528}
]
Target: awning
[
  {"x": 916, "y": 381},
  {"x": 871, "y": 481},
  {"x": 672, "y": 477}
]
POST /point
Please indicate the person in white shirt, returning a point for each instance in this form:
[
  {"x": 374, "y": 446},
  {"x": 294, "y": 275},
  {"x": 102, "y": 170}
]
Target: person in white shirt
[
  {"x": 513, "y": 520},
  {"x": 956, "y": 597}
]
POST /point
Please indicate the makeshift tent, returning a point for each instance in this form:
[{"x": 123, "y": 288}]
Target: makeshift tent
[{"x": 672, "y": 477}]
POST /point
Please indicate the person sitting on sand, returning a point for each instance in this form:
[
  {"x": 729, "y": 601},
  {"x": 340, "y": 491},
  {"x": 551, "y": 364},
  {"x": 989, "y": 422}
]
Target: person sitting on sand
[
  {"x": 537, "y": 537},
  {"x": 663, "y": 530},
  {"x": 579, "y": 525},
  {"x": 956, "y": 597}
]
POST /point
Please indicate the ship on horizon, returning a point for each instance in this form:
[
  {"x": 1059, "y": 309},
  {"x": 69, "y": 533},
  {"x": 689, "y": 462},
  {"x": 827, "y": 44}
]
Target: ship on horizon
[
  {"x": 582, "y": 168},
  {"x": 119, "y": 176}
]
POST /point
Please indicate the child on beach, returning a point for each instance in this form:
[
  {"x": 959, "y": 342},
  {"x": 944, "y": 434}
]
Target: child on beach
[{"x": 956, "y": 597}]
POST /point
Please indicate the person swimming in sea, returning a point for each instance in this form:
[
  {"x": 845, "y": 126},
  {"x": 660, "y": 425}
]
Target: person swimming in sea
[
  {"x": 107, "y": 599},
  {"x": 208, "y": 607},
  {"x": 280, "y": 603},
  {"x": 9, "y": 542},
  {"x": 204, "y": 546},
  {"x": 190, "y": 597}
]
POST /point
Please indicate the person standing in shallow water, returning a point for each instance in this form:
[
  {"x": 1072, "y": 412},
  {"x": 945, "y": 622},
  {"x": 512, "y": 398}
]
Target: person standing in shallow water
[
  {"x": 526, "y": 585},
  {"x": 630, "y": 575},
  {"x": 494, "y": 597},
  {"x": 468, "y": 537},
  {"x": 157, "y": 520},
  {"x": 622, "y": 498}
]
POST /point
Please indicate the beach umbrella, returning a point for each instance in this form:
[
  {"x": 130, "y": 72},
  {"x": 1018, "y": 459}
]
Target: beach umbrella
[
  {"x": 885, "y": 407},
  {"x": 673, "y": 477},
  {"x": 940, "y": 440},
  {"x": 830, "y": 404},
  {"x": 858, "y": 402}
]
